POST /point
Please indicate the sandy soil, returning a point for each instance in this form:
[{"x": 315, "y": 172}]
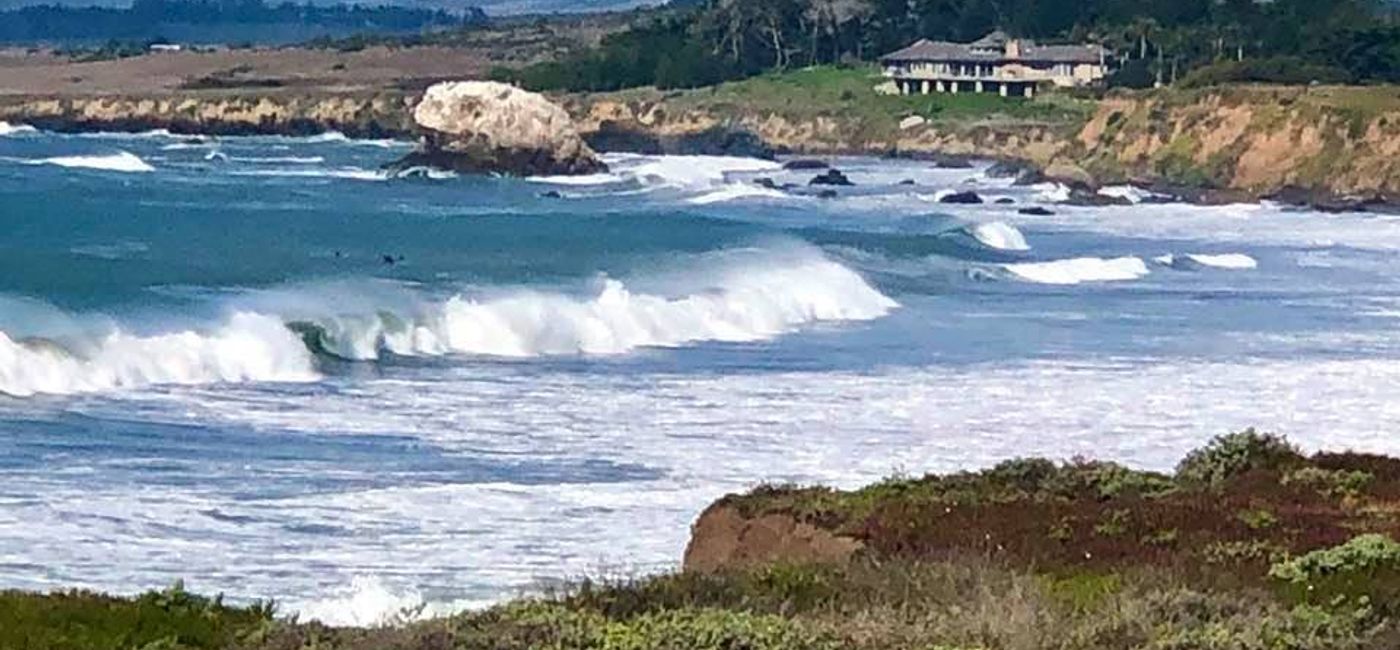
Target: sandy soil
[
  {"x": 467, "y": 54},
  {"x": 23, "y": 73}
]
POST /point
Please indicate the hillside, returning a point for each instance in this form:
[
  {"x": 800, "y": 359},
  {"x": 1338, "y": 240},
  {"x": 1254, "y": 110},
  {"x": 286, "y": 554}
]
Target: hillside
[{"x": 1248, "y": 545}]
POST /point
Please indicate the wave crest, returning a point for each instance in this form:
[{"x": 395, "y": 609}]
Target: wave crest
[
  {"x": 1000, "y": 236},
  {"x": 746, "y": 303},
  {"x": 1080, "y": 270},
  {"x": 249, "y": 347},
  {"x": 7, "y": 129},
  {"x": 122, "y": 161}
]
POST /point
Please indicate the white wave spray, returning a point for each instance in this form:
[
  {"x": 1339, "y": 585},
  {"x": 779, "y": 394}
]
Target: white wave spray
[
  {"x": 1194, "y": 261},
  {"x": 7, "y": 129},
  {"x": 1080, "y": 270},
  {"x": 1000, "y": 236},
  {"x": 249, "y": 347},
  {"x": 121, "y": 161},
  {"x": 755, "y": 300}
]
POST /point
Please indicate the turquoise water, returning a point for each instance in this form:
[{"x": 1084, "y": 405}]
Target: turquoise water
[{"x": 264, "y": 367}]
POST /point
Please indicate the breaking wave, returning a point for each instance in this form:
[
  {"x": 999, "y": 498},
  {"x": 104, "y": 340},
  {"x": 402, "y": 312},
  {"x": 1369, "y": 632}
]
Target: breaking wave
[
  {"x": 249, "y": 347},
  {"x": 370, "y": 602},
  {"x": 696, "y": 173},
  {"x": 1080, "y": 270},
  {"x": 735, "y": 192},
  {"x": 338, "y": 137},
  {"x": 742, "y": 303},
  {"x": 277, "y": 335},
  {"x": 121, "y": 161},
  {"x": 7, "y": 129},
  {"x": 1129, "y": 193},
  {"x": 999, "y": 236},
  {"x": 1196, "y": 261}
]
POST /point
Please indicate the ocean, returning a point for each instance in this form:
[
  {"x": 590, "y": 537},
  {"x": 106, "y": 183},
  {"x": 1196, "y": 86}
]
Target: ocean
[{"x": 261, "y": 366}]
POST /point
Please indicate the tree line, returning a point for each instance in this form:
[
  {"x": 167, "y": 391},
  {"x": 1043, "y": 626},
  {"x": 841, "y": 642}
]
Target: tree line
[{"x": 1189, "y": 41}]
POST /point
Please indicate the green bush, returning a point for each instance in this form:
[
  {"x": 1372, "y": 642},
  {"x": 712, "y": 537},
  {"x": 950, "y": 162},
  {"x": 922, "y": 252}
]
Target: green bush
[
  {"x": 173, "y": 618},
  {"x": 1329, "y": 482},
  {"x": 1234, "y": 454},
  {"x": 1277, "y": 70},
  {"x": 554, "y": 625},
  {"x": 1365, "y": 570}
]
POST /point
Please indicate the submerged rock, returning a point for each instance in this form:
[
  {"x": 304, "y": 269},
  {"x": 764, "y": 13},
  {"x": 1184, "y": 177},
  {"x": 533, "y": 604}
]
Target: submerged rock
[
  {"x": 719, "y": 140},
  {"x": 1036, "y": 211},
  {"x": 961, "y": 198},
  {"x": 489, "y": 127},
  {"x": 805, "y": 164},
  {"x": 1324, "y": 201},
  {"x": 1006, "y": 201},
  {"x": 832, "y": 177},
  {"x": 1023, "y": 173}
]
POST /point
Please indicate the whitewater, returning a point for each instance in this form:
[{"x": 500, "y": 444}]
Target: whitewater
[{"x": 270, "y": 369}]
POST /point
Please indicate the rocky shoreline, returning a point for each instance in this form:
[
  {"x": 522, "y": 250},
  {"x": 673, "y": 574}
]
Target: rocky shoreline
[{"x": 1302, "y": 147}]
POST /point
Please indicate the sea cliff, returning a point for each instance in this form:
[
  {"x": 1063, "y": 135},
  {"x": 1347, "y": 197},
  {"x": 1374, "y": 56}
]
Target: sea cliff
[{"x": 1311, "y": 144}]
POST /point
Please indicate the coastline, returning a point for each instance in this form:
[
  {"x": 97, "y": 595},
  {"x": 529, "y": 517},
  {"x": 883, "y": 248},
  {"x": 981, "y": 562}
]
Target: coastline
[
  {"x": 1329, "y": 148},
  {"x": 1248, "y": 543}
]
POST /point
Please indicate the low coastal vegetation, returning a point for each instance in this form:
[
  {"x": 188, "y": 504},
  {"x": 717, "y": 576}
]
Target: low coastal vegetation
[
  {"x": 1248, "y": 545},
  {"x": 701, "y": 43}
]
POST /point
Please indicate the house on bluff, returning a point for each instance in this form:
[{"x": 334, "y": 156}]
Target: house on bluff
[{"x": 996, "y": 63}]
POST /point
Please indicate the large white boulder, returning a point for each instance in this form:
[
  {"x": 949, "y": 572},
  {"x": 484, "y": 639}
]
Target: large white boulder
[{"x": 489, "y": 127}]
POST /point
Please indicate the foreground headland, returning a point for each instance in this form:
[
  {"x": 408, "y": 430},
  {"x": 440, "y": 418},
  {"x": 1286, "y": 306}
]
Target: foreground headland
[
  {"x": 1323, "y": 145},
  {"x": 1248, "y": 544}
]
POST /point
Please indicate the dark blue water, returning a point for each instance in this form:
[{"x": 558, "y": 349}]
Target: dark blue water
[{"x": 263, "y": 366}]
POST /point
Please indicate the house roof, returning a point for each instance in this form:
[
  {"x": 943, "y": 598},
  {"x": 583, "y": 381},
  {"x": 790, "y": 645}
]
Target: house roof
[{"x": 978, "y": 51}]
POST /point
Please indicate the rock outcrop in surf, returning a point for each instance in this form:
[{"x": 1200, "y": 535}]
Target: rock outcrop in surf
[{"x": 489, "y": 127}]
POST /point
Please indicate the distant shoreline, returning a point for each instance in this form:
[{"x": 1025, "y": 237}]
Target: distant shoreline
[{"x": 1328, "y": 148}]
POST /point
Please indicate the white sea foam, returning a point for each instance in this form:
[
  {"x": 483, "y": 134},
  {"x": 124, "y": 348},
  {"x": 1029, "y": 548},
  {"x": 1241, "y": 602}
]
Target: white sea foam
[
  {"x": 736, "y": 192},
  {"x": 689, "y": 171},
  {"x": 1052, "y": 192},
  {"x": 1000, "y": 236},
  {"x": 370, "y": 602},
  {"x": 348, "y": 173},
  {"x": 249, "y": 347},
  {"x": 423, "y": 171},
  {"x": 338, "y": 137},
  {"x": 1127, "y": 193},
  {"x": 744, "y": 302},
  {"x": 1079, "y": 270},
  {"x": 1232, "y": 261},
  {"x": 121, "y": 161},
  {"x": 7, "y": 129},
  {"x": 269, "y": 160},
  {"x": 184, "y": 146}
]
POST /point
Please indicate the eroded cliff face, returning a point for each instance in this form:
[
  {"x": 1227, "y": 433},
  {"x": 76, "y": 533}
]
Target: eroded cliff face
[
  {"x": 370, "y": 115},
  {"x": 1251, "y": 141},
  {"x": 1257, "y": 140},
  {"x": 726, "y": 538}
]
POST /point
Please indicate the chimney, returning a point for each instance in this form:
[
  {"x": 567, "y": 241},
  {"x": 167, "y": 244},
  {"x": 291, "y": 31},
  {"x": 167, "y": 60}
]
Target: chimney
[{"x": 1013, "y": 48}]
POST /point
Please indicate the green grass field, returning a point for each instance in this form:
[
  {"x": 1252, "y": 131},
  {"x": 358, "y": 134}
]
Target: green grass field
[{"x": 849, "y": 93}]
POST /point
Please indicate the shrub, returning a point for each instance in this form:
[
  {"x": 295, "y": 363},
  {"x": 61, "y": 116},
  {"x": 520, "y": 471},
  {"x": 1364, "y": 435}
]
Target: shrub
[
  {"x": 1228, "y": 553},
  {"x": 1277, "y": 70},
  {"x": 1260, "y": 519},
  {"x": 170, "y": 618},
  {"x": 1329, "y": 482},
  {"x": 1234, "y": 454},
  {"x": 1365, "y": 570}
]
